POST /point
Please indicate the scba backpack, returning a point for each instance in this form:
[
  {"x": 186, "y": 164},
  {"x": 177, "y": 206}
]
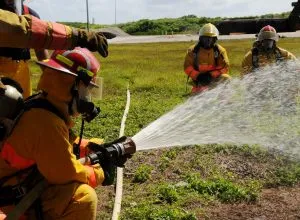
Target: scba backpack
[{"x": 12, "y": 106}]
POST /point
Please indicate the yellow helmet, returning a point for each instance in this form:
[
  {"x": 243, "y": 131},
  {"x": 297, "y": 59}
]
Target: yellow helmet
[
  {"x": 267, "y": 32},
  {"x": 209, "y": 30}
]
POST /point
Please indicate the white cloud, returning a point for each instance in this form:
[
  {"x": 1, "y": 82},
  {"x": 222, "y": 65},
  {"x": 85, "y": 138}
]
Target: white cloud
[{"x": 103, "y": 11}]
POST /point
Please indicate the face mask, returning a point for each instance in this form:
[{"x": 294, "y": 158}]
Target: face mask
[
  {"x": 83, "y": 105},
  {"x": 267, "y": 45},
  {"x": 207, "y": 42}
]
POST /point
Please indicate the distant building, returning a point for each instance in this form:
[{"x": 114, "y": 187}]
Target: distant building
[{"x": 252, "y": 26}]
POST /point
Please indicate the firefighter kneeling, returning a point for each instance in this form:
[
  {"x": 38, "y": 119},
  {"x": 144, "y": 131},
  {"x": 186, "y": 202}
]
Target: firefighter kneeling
[
  {"x": 41, "y": 138},
  {"x": 206, "y": 62}
]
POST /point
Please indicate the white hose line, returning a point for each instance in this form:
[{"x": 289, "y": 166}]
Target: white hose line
[{"x": 119, "y": 184}]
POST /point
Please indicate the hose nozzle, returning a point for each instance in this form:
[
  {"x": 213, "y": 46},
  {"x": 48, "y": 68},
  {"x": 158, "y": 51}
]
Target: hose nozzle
[
  {"x": 126, "y": 147},
  {"x": 116, "y": 152}
]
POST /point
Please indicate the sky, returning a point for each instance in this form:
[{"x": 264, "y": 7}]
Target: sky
[{"x": 103, "y": 11}]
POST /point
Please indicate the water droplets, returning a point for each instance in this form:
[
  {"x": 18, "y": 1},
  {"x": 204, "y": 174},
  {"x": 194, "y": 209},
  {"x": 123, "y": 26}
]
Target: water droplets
[{"x": 262, "y": 108}]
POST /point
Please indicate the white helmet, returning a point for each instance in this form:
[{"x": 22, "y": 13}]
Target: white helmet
[{"x": 267, "y": 32}]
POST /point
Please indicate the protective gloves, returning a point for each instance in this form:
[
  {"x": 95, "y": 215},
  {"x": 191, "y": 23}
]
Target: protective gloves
[
  {"x": 108, "y": 166},
  {"x": 108, "y": 162},
  {"x": 204, "y": 79},
  {"x": 92, "y": 41},
  {"x": 215, "y": 74},
  {"x": 110, "y": 171},
  {"x": 121, "y": 160}
]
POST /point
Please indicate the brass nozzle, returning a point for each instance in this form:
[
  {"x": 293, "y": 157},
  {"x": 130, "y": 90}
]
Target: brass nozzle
[{"x": 129, "y": 146}]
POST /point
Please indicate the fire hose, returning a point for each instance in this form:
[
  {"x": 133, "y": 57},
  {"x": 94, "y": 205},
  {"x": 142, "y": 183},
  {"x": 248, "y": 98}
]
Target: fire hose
[
  {"x": 123, "y": 147},
  {"x": 119, "y": 185}
]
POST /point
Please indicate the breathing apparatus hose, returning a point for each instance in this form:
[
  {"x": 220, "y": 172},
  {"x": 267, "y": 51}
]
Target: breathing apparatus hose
[{"x": 119, "y": 183}]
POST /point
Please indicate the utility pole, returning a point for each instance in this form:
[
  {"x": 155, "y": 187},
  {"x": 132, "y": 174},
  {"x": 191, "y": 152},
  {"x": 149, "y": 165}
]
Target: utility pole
[
  {"x": 115, "y": 12},
  {"x": 87, "y": 15}
]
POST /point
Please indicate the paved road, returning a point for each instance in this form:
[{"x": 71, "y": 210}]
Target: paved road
[{"x": 184, "y": 37}]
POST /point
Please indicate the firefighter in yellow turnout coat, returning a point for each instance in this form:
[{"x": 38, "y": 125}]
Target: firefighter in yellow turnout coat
[
  {"x": 265, "y": 51},
  {"x": 42, "y": 138},
  {"x": 206, "y": 62}
]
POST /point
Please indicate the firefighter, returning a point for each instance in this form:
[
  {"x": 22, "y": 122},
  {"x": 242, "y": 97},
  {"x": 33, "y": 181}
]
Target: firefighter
[
  {"x": 206, "y": 62},
  {"x": 41, "y": 137},
  {"x": 27, "y": 31},
  {"x": 265, "y": 51},
  {"x": 14, "y": 61}
]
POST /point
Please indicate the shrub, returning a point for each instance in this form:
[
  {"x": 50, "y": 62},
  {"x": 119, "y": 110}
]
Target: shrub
[
  {"x": 142, "y": 174},
  {"x": 222, "y": 189},
  {"x": 168, "y": 194}
]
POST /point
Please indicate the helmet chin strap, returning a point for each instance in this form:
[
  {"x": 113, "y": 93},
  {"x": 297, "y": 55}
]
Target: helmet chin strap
[{"x": 72, "y": 103}]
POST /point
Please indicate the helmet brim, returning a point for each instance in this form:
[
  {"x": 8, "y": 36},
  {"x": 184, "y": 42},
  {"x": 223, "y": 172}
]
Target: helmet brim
[{"x": 52, "y": 64}]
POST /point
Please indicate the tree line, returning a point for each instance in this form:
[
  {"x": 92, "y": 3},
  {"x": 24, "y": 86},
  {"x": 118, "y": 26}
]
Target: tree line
[{"x": 189, "y": 24}]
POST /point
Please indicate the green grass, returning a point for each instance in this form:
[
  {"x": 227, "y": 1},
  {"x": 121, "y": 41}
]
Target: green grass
[
  {"x": 177, "y": 183},
  {"x": 142, "y": 174},
  {"x": 222, "y": 189}
]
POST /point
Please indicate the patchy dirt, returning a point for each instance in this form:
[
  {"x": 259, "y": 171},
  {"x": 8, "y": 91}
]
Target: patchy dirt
[
  {"x": 276, "y": 204},
  {"x": 169, "y": 166}
]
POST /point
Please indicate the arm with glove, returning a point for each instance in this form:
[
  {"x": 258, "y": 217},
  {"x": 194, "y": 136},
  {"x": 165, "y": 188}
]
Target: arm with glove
[
  {"x": 188, "y": 66},
  {"x": 201, "y": 75},
  {"x": 110, "y": 156},
  {"x": 47, "y": 145},
  {"x": 27, "y": 31}
]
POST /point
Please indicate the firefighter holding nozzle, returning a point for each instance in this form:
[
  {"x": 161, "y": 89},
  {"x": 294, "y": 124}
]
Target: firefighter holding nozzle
[{"x": 41, "y": 139}]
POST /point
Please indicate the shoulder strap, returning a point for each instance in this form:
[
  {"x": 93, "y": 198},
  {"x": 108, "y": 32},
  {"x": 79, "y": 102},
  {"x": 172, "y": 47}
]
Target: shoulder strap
[
  {"x": 216, "y": 53},
  {"x": 278, "y": 54},
  {"x": 27, "y": 200},
  {"x": 196, "y": 52},
  {"x": 42, "y": 103},
  {"x": 255, "y": 58},
  {"x": 30, "y": 103}
]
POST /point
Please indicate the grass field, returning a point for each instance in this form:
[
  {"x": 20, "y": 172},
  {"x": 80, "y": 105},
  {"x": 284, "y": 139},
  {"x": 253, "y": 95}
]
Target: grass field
[{"x": 181, "y": 183}]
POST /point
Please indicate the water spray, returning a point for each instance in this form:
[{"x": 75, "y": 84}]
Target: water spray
[{"x": 263, "y": 108}]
